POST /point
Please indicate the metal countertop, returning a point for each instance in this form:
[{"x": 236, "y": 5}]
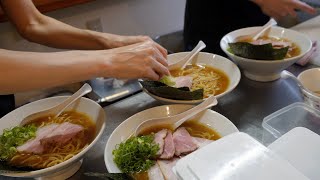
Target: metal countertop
[{"x": 245, "y": 106}]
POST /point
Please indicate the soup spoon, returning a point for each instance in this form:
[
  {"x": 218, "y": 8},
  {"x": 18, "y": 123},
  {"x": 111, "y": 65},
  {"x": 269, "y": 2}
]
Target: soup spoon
[
  {"x": 254, "y": 36},
  {"x": 58, "y": 109},
  {"x": 186, "y": 60},
  {"x": 173, "y": 122},
  {"x": 286, "y": 74}
]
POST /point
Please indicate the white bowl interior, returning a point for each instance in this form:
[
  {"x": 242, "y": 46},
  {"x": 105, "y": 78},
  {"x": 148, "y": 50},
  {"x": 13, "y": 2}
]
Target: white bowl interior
[
  {"x": 310, "y": 79},
  {"x": 266, "y": 70},
  {"x": 84, "y": 105},
  {"x": 218, "y": 122},
  {"x": 213, "y": 60}
]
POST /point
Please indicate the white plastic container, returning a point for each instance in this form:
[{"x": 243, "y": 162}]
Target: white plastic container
[
  {"x": 235, "y": 157},
  {"x": 282, "y": 121},
  {"x": 300, "y": 147}
]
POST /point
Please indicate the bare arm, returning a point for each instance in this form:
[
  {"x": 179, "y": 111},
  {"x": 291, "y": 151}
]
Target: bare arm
[
  {"x": 280, "y": 8},
  {"x": 22, "y": 71},
  {"x": 42, "y": 29}
]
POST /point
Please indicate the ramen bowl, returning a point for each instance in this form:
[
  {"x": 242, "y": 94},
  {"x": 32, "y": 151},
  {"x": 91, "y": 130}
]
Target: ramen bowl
[
  {"x": 266, "y": 70},
  {"x": 216, "y": 121},
  {"x": 72, "y": 165},
  {"x": 218, "y": 62},
  {"x": 310, "y": 79}
]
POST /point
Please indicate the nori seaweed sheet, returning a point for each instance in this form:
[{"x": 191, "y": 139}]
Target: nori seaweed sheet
[
  {"x": 258, "y": 52},
  {"x": 162, "y": 90}
]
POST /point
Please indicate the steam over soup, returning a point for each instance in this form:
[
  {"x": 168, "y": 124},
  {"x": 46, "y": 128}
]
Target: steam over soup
[
  {"x": 49, "y": 141},
  {"x": 213, "y": 81}
]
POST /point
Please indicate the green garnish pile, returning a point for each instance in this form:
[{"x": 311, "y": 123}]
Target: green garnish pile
[
  {"x": 135, "y": 155},
  {"x": 11, "y": 138},
  {"x": 168, "y": 80}
]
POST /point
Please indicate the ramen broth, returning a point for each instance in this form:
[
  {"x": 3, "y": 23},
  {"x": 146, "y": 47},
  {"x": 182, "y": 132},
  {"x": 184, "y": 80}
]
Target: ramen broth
[
  {"x": 58, "y": 153},
  {"x": 212, "y": 80},
  {"x": 194, "y": 128}
]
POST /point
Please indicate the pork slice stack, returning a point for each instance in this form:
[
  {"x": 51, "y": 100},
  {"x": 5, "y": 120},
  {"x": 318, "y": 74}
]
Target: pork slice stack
[{"x": 171, "y": 147}]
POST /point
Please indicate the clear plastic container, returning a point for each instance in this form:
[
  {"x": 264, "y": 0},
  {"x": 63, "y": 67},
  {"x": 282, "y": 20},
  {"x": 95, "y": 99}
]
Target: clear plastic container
[{"x": 282, "y": 121}]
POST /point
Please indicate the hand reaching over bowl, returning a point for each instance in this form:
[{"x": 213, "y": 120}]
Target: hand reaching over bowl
[
  {"x": 141, "y": 60},
  {"x": 210, "y": 75}
]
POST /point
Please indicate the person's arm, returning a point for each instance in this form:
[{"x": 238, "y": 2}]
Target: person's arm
[
  {"x": 281, "y": 8},
  {"x": 22, "y": 71},
  {"x": 36, "y": 27}
]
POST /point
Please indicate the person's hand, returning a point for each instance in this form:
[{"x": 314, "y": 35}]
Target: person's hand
[
  {"x": 281, "y": 8},
  {"x": 115, "y": 41},
  {"x": 141, "y": 60},
  {"x": 128, "y": 40}
]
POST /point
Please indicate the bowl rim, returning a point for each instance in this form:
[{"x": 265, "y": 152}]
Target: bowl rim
[
  {"x": 69, "y": 161},
  {"x": 268, "y": 61},
  {"x": 237, "y": 81},
  {"x": 313, "y": 96},
  {"x": 152, "y": 108}
]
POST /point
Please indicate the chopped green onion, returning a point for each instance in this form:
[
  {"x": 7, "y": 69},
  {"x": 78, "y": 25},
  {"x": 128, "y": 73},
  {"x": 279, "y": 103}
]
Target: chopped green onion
[
  {"x": 135, "y": 155},
  {"x": 12, "y": 138}
]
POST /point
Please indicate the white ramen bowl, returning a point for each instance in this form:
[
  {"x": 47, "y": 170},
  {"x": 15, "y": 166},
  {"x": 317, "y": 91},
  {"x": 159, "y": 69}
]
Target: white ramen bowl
[
  {"x": 216, "y": 121},
  {"x": 266, "y": 70},
  {"x": 310, "y": 79},
  {"x": 65, "y": 169},
  {"x": 213, "y": 60}
]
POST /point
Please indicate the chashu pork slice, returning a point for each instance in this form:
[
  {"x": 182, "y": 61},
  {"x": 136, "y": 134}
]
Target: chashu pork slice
[
  {"x": 154, "y": 173},
  {"x": 201, "y": 142},
  {"x": 34, "y": 145},
  {"x": 183, "y": 142},
  {"x": 50, "y": 134},
  {"x": 169, "y": 149},
  {"x": 159, "y": 139},
  {"x": 166, "y": 168},
  {"x": 183, "y": 81},
  {"x": 62, "y": 134}
]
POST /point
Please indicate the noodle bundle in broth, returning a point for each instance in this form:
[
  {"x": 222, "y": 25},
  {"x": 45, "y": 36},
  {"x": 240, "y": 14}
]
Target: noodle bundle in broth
[
  {"x": 57, "y": 151},
  {"x": 213, "y": 81}
]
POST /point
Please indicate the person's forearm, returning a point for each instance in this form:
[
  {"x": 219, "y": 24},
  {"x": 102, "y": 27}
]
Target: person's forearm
[
  {"x": 42, "y": 29},
  {"x": 53, "y": 33},
  {"x": 21, "y": 71}
]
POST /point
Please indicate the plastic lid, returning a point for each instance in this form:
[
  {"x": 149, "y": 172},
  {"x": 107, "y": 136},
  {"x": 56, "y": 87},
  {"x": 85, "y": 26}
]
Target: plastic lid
[
  {"x": 235, "y": 157},
  {"x": 300, "y": 147},
  {"x": 295, "y": 115}
]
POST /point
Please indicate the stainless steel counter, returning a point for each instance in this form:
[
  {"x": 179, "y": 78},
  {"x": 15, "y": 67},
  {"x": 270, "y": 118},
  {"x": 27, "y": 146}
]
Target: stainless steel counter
[{"x": 245, "y": 106}]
